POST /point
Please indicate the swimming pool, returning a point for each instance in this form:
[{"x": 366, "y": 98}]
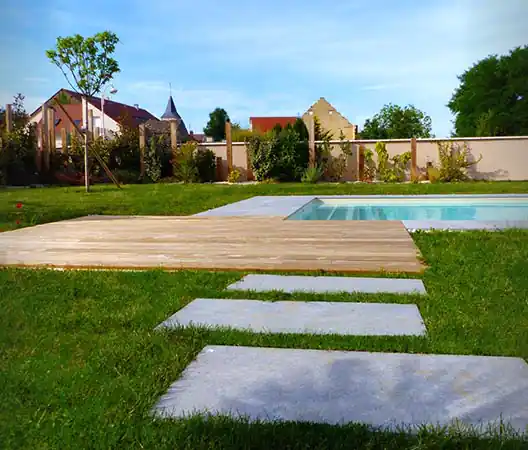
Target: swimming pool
[
  {"x": 423, "y": 212},
  {"x": 449, "y": 208}
]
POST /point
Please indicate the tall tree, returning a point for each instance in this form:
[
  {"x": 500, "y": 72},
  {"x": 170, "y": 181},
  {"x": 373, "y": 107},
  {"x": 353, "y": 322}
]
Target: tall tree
[
  {"x": 395, "y": 122},
  {"x": 89, "y": 63},
  {"x": 492, "y": 99},
  {"x": 215, "y": 128}
]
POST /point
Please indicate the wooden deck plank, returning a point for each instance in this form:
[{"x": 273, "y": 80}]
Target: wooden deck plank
[{"x": 213, "y": 243}]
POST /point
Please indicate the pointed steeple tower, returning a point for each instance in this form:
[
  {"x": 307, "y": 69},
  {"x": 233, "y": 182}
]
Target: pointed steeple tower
[{"x": 170, "y": 111}]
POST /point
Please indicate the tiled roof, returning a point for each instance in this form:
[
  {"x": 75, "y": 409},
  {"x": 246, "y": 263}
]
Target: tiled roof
[
  {"x": 112, "y": 109},
  {"x": 198, "y": 137},
  {"x": 264, "y": 124}
]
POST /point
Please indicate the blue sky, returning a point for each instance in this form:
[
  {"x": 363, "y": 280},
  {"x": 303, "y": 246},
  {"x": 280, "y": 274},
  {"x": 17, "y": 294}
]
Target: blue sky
[{"x": 267, "y": 57}]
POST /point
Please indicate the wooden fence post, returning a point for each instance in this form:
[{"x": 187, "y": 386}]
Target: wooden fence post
[
  {"x": 174, "y": 142},
  {"x": 38, "y": 153},
  {"x": 414, "y": 168},
  {"x": 229, "y": 146},
  {"x": 142, "y": 145},
  {"x": 249, "y": 170},
  {"x": 44, "y": 137},
  {"x": 51, "y": 134},
  {"x": 90, "y": 125},
  {"x": 311, "y": 140},
  {"x": 219, "y": 174},
  {"x": 361, "y": 163},
  {"x": 64, "y": 141},
  {"x": 9, "y": 118}
]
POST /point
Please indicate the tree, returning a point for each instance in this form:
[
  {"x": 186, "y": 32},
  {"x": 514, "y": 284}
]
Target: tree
[
  {"x": 19, "y": 115},
  {"x": 89, "y": 63},
  {"x": 395, "y": 122},
  {"x": 215, "y": 128},
  {"x": 301, "y": 129},
  {"x": 492, "y": 99}
]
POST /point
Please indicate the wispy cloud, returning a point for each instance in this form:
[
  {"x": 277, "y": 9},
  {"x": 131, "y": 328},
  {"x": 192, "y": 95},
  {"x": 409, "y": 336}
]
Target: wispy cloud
[
  {"x": 239, "y": 104},
  {"x": 37, "y": 80},
  {"x": 380, "y": 87}
]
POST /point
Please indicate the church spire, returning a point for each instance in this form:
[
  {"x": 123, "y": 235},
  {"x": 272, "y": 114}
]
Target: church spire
[{"x": 170, "y": 111}]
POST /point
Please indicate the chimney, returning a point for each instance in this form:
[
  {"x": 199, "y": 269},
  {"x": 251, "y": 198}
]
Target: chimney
[{"x": 137, "y": 106}]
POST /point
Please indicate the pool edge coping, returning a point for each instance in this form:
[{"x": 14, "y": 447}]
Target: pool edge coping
[{"x": 262, "y": 205}]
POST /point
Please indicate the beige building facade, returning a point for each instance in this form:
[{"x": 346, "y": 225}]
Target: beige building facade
[{"x": 330, "y": 119}]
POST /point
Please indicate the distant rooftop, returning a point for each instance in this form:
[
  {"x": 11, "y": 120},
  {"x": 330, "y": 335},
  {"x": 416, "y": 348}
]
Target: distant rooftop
[{"x": 264, "y": 124}]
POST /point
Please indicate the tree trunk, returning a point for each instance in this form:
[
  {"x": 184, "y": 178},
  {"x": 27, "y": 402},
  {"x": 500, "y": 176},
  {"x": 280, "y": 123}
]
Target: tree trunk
[{"x": 86, "y": 168}]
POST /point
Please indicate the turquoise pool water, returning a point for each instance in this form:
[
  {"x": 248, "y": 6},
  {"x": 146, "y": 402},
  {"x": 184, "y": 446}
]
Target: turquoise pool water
[{"x": 415, "y": 209}]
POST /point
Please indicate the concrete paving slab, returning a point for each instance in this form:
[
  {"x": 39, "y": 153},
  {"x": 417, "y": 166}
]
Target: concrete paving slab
[
  {"x": 380, "y": 389},
  {"x": 285, "y": 283},
  {"x": 361, "y": 319},
  {"x": 281, "y": 206}
]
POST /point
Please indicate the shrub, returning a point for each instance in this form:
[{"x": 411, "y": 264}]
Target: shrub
[
  {"x": 278, "y": 155},
  {"x": 184, "y": 168},
  {"x": 103, "y": 149},
  {"x": 233, "y": 176},
  {"x": 454, "y": 161},
  {"x": 312, "y": 175},
  {"x": 333, "y": 167},
  {"x": 391, "y": 170},
  {"x": 433, "y": 174},
  {"x": 123, "y": 149},
  {"x": 126, "y": 176},
  {"x": 242, "y": 134},
  {"x": 17, "y": 156},
  {"x": 152, "y": 160},
  {"x": 369, "y": 166},
  {"x": 264, "y": 157},
  {"x": 205, "y": 162}
]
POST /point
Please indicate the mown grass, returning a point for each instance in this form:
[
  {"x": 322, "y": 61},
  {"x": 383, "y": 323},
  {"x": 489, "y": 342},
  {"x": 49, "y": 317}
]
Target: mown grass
[
  {"x": 52, "y": 204},
  {"x": 81, "y": 367}
]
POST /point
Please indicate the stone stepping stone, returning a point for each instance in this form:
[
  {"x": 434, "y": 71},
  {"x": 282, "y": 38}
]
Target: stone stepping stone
[
  {"x": 344, "y": 318},
  {"x": 287, "y": 283},
  {"x": 380, "y": 389}
]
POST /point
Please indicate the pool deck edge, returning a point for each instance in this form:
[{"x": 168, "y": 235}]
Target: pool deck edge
[{"x": 284, "y": 206}]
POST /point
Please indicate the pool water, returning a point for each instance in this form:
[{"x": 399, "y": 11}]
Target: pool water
[{"x": 492, "y": 209}]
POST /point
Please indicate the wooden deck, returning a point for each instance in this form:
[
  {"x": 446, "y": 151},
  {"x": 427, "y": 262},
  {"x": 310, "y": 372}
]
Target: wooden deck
[{"x": 214, "y": 243}]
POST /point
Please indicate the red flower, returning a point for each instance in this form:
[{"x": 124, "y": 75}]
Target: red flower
[
  {"x": 19, "y": 205},
  {"x": 18, "y": 222}
]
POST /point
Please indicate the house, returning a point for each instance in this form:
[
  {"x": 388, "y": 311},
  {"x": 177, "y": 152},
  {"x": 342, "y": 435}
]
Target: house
[
  {"x": 265, "y": 124},
  {"x": 115, "y": 114},
  {"x": 330, "y": 119}
]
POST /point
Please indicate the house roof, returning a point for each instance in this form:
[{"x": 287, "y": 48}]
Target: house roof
[
  {"x": 264, "y": 124},
  {"x": 325, "y": 104},
  {"x": 198, "y": 137},
  {"x": 115, "y": 110},
  {"x": 170, "y": 111}
]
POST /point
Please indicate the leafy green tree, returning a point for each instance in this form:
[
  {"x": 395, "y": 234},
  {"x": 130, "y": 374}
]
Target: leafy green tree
[
  {"x": 215, "y": 128},
  {"x": 87, "y": 65},
  {"x": 395, "y": 122},
  {"x": 492, "y": 99},
  {"x": 301, "y": 129}
]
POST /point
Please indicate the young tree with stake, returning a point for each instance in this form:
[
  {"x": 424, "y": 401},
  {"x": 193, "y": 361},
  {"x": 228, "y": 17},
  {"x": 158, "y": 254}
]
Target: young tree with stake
[{"x": 87, "y": 65}]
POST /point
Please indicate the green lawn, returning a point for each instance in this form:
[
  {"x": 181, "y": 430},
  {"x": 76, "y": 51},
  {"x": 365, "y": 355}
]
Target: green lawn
[
  {"x": 80, "y": 366},
  {"x": 51, "y": 204}
]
